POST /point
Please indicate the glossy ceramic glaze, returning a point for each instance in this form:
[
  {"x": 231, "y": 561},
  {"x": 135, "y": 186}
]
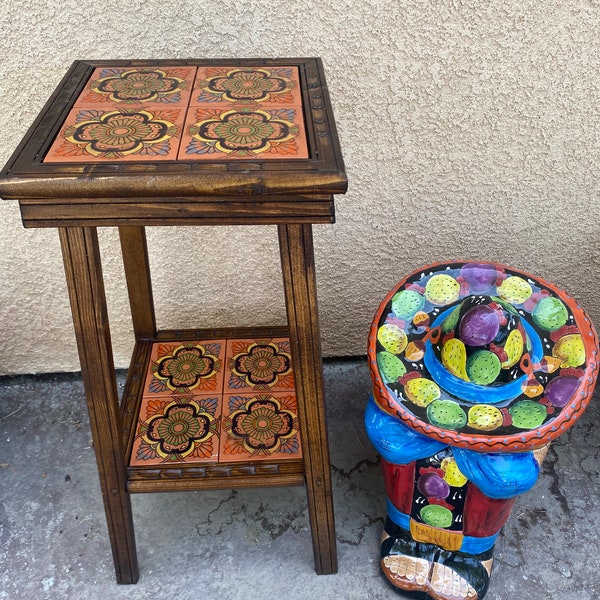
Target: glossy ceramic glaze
[{"x": 476, "y": 368}]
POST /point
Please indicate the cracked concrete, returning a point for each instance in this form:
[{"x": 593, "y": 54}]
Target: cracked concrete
[{"x": 255, "y": 544}]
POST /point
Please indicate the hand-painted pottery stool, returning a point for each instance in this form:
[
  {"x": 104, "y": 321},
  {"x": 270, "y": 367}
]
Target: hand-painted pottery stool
[{"x": 476, "y": 368}]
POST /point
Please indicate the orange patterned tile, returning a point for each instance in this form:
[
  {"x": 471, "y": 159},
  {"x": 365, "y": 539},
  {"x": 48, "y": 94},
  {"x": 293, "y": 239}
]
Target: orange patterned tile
[
  {"x": 250, "y": 86},
  {"x": 123, "y": 134},
  {"x": 177, "y": 429},
  {"x": 126, "y": 114},
  {"x": 259, "y": 427},
  {"x": 185, "y": 367},
  {"x": 229, "y": 133},
  {"x": 138, "y": 86},
  {"x": 218, "y": 401},
  {"x": 261, "y": 366}
]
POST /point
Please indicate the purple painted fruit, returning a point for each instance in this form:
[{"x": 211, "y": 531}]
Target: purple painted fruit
[
  {"x": 432, "y": 485},
  {"x": 560, "y": 390},
  {"x": 479, "y": 326},
  {"x": 480, "y": 277}
]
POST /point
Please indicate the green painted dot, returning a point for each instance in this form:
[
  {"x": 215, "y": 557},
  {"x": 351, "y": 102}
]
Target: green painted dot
[
  {"x": 550, "y": 314},
  {"x": 436, "y": 516},
  {"x": 451, "y": 321},
  {"x": 447, "y": 414},
  {"x": 390, "y": 366},
  {"x": 406, "y": 303},
  {"x": 483, "y": 367},
  {"x": 527, "y": 414}
]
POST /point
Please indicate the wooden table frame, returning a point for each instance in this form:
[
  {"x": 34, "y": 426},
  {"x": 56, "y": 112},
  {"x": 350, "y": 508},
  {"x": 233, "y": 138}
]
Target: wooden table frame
[{"x": 77, "y": 198}]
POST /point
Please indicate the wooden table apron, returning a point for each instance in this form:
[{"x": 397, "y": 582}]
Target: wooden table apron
[{"x": 78, "y": 196}]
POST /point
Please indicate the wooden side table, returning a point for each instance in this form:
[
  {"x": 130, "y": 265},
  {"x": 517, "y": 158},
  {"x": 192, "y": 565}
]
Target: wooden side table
[{"x": 131, "y": 144}]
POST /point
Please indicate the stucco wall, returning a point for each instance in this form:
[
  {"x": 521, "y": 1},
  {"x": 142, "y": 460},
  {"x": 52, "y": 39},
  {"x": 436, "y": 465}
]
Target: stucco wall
[{"x": 469, "y": 130}]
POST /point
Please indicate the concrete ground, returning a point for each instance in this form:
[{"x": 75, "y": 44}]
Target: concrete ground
[{"x": 255, "y": 544}]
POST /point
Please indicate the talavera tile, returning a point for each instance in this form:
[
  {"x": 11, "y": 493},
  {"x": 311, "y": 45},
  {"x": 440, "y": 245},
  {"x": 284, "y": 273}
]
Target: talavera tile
[
  {"x": 211, "y": 401},
  {"x": 154, "y": 114}
]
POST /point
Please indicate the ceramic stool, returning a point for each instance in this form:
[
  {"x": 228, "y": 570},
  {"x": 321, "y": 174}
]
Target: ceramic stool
[{"x": 476, "y": 368}]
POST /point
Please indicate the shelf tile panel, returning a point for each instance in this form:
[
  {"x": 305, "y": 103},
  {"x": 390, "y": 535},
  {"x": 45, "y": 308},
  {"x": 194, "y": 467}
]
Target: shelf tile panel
[
  {"x": 177, "y": 429},
  {"x": 185, "y": 367},
  {"x": 259, "y": 426},
  {"x": 208, "y": 401},
  {"x": 260, "y": 365},
  {"x": 231, "y": 132}
]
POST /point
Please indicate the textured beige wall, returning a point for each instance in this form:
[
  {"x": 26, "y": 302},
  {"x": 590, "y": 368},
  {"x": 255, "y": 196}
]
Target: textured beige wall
[{"x": 469, "y": 130}]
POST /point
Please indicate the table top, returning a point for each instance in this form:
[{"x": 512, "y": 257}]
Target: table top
[
  {"x": 184, "y": 113},
  {"x": 185, "y": 128},
  {"x": 482, "y": 356}
]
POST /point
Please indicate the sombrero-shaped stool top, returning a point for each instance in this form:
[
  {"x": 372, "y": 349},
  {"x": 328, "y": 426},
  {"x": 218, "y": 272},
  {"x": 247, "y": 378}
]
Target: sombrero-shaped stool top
[{"x": 482, "y": 356}]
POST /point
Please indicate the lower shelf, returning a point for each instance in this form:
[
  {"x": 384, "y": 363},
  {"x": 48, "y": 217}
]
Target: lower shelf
[
  {"x": 219, "y": 476},
  {"x": 201, "y": 411}
]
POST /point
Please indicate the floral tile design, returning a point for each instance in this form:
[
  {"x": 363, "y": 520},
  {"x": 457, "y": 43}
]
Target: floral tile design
[
  {"x": 177, "y": 429},
  {"x": 245, "y": 112},
  {"x": 231, "y": 133},
  {"x": 95, "y": 135},
  {"x": 110, "y": 86},
  {"x": 247, "y": 86},
  {"x": 126, "y": 114},
  {"x": 185, "y": 367},
  {"x": 260, "y": 365},
  {"x": 259, "y": 426},
  {"x": 209, "y": 401}
]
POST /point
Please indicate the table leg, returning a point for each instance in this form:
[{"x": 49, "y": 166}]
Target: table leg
[
  {"x": 81, "y": 256},
  {"x": 297, "y": 261},
  {"x": 137, "y": 272}
]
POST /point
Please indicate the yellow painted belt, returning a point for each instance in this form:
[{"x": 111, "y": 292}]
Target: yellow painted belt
[{"x": 449, "y": 540}]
